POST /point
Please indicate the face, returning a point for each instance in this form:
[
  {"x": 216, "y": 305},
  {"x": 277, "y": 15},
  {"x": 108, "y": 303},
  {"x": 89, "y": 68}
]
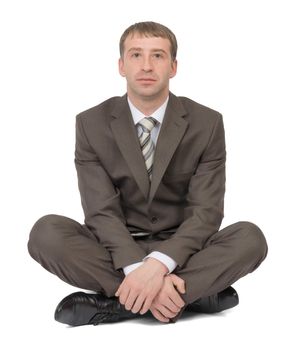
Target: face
[{"x": 147, "y": 66}]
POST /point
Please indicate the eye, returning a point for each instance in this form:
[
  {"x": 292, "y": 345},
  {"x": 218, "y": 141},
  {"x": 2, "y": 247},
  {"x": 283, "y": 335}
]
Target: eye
[
  {"x": 158, "y": 55},
  {"x": 136, "y": 54}
]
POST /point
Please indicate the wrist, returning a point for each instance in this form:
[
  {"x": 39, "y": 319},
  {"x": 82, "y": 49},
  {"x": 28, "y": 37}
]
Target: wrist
[{"x": 158, "y": 264}]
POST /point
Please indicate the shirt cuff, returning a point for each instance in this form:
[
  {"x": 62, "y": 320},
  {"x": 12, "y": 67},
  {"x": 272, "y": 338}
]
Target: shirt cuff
[
  {"x": 165, "y": 259},
  {"x": 132, "y": 267}
]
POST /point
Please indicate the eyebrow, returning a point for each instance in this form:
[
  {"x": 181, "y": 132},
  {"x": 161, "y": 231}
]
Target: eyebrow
[{"x": 140, "y": 49}]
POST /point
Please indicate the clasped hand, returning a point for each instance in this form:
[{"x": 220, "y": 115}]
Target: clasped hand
[{"x": 148, "y": 287}]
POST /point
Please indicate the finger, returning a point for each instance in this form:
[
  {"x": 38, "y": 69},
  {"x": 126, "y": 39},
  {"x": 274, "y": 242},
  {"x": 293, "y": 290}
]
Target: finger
[
  {"x": 130, "y": 300},
  {"x": 171, "y": 305},
  {"x": 147, "y": 305},
  {"x": 179, "y": 283},
  {"x": 181, "y": 288},
  {"x": 177, "y": 279},
  {"x": 166, "y": 312},
  {"x": 117, "y": 293},
  {"x": 177, "y": 300},
  {"x": 138, "y": 304},
  {"x": 124, "y": 295},
  {"x": 159, "y": 316}
]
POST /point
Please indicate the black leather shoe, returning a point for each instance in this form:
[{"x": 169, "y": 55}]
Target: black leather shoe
[
  {"x": 226, "y": 299},
  {"x": 80, "y": 308}
]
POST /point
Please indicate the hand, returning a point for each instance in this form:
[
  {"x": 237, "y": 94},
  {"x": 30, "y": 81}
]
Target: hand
[
  {"x": 168, "y": 302},
  {"x": 139, "y": 287}
]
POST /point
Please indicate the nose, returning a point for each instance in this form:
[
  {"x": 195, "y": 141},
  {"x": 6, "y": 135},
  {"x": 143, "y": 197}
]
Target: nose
[{"x": 147, "y": 66}]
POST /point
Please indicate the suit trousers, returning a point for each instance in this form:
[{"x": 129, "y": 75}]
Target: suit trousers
[{"x": 74, "y": 254}]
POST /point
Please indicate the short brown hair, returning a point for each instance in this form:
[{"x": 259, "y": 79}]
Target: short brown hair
[{"x": 150, "y": 29}]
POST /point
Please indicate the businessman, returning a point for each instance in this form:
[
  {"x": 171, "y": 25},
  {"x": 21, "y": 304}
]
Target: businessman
[{"x": 151, "y": 175}]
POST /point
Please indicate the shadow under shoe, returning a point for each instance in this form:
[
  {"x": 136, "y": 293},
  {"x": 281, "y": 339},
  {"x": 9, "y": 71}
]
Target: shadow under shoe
[
  {"x": 223, "y": 300},
  {"x": 80, "y": 308}
]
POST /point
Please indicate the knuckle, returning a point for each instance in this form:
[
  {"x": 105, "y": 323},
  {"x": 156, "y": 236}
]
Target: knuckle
[{"x": 149, "y": 300}]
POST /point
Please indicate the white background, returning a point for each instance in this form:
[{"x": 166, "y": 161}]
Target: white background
[{"x": 59, "y": 58}]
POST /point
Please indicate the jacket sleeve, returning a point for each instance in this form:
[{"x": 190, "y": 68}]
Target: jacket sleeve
[
  {"x": 101, "y": 204},
  {"x": 204, "y": 209}
]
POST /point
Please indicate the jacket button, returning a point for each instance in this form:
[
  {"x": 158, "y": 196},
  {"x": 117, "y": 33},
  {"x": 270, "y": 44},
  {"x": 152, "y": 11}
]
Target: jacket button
[{"x": 154, "y": 219}]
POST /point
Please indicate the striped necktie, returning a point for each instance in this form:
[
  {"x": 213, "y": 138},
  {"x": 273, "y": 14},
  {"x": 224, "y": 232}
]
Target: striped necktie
[{"x": 147, "y": 146}]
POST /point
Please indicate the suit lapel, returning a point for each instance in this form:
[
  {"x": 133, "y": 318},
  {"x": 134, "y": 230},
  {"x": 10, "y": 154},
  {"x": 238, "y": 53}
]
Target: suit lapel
[
  {"x": 171, "y": 133},
  {"x": 125, "y": 134}
]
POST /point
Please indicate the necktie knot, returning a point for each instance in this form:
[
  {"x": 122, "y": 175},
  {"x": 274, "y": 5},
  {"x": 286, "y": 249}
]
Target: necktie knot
[{"x": 147, "y": 124}]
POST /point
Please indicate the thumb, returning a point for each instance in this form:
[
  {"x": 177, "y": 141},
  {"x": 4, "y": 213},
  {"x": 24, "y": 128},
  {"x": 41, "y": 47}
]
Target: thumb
[{"x": 178, "y": 282}]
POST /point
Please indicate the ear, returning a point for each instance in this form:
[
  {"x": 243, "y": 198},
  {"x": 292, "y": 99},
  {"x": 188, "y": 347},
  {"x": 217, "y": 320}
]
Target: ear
[
  {"x": 174, "y": 69},
  {"x": 121, "y": 67}
]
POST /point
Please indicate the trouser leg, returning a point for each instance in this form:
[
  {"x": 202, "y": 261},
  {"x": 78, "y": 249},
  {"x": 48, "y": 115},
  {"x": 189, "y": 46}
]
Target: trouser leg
[
  {"x": 73, "y": 253},
  {"x": 228, "y": 255},
  {"x": 69, "y": 250}
]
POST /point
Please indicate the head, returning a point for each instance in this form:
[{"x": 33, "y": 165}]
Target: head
[
  {"x": 148, "y": 59},
  {"x": 150, "y": 29}
]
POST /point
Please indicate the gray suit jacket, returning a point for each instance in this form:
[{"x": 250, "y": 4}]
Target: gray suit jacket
[{"x": 186, "y": 196}]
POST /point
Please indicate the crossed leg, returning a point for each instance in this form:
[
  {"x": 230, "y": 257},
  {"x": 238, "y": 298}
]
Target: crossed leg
[
  {"x": 69, "y": 250},
  {"x": 73, "y": 253},
  {"x": 228, "y": 255}
]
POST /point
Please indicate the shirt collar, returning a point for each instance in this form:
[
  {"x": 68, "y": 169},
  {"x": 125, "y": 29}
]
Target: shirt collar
[{"x": 158, "y": 114}]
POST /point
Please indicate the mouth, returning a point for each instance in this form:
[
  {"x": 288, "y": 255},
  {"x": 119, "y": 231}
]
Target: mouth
[{"x": 146, "y": 80}]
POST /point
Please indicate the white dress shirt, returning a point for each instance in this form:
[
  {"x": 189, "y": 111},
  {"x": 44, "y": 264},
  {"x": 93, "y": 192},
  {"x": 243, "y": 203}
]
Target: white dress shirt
[{"x": 158, "y": 115}]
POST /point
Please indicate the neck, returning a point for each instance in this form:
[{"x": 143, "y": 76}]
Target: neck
[{"x": 147, "y": 105}]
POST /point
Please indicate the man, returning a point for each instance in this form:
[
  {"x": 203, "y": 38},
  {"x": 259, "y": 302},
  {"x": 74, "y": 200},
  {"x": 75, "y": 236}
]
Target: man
[{"x": 151, "y": 174}]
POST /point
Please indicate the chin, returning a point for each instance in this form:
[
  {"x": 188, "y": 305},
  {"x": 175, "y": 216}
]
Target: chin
[{"x": 149, "y": 92}]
